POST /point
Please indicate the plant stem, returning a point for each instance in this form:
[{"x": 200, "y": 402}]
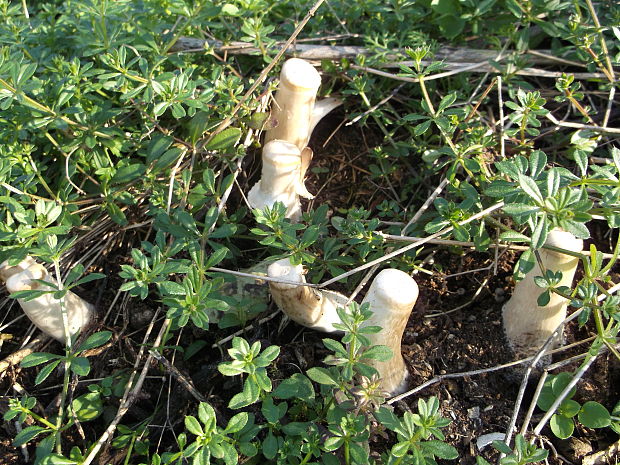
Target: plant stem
[
  {"x": 428, "y": 101},
  {"x": 33, "y": 103},
  {"x": 40, "y": 419},
  {"x": 67, "y": 364},
  {"x": 307, "y": 457},
  {"x": 610, "y": 68}
]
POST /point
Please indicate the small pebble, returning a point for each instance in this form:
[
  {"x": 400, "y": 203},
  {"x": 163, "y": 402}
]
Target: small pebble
[
  {"x": 486, "y": 439},
  {"x": 473, "y": 412}
]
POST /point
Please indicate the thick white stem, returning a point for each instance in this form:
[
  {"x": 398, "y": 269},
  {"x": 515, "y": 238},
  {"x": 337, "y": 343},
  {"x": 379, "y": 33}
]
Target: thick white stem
[
  {"x": 294, "y": 103},
  {"x": 312, "y": 308},
  {"x": 280, "y": 178},
  {"x": 527, "y": 325},
  {"x": 45, "y": 311},
  {"x": 391, "y": 296}
]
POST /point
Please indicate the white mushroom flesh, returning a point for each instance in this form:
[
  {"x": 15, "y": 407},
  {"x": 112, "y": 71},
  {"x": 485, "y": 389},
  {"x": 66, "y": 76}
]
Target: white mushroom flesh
[
  {"x": 527, "y": 325},
  {"x": 45, "y": 311},
  {"x": 312, "y": 308},
  {"x": 391, "y": 296}
]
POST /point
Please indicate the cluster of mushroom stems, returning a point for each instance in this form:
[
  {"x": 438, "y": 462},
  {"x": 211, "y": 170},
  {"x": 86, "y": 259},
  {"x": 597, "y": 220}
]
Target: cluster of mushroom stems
[{"x": 392, "y": 294}]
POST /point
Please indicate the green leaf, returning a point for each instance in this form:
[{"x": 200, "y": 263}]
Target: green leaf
[
  {"x": 513, "y": 236},
  {"x": 539, "y": 234},
  {"x": 157, "y": 146},
  {"x": 569, "y": 408},
  {"x": 27, "y": 434},
  {"x": 270, "y": 446},
  {"x": 561, "y": 426},
  {"x": 248, "y": 396},
  {"x": 37, "y": 358},
  {"x": 168, "y": 158},
  {"x": 236, "y": 423},
  {"x": 530, "y": 188},
  {"x": 198, "y": 125},
  {"x": 224, "y": 140},
  {"x": 80, "y": 366},
  {"x": 559, "y": 383},
  {"x": 543, "y": 299},
  {"x": 56, "y": 459},
  {"x": 380, "y": 353},
  {"x": 400, "y": 448},
  {"x": 216, "y": 257},
  {"x": 594, "y": 415},
  {"x": 88, "y": 406},
  {"x": 95, "y": 340},
  {"x": 193, "y": 426},
  {"x": 128, "y": 173},
  {"x": 297, "y": 386},
  {"x": 45, "y": 372},
  {"x": 321, "y": 376},
  {"x": 440, "y": 449}
]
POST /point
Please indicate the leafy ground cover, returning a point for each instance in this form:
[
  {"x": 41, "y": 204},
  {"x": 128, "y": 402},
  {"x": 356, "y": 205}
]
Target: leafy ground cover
[{"x": 130, "y": 134}]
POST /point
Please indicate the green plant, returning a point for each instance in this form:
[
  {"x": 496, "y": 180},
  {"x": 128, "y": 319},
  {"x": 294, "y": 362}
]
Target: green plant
[
  {"x": 591, "y": 414},
  {"x": 523, "y": 452}
]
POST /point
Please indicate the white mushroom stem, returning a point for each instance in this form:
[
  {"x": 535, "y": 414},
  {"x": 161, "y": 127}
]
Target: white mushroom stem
[
  {"x": 527, "y": 325},
  {"x": 294, "y": 109},
  {"x": 391, "y": 296},
  {"x": 45, "y": 311},
  {"x": 309, "y": 307},
  {"x": 281, "y": 178}
]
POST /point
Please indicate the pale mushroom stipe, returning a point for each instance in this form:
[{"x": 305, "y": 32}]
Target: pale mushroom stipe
[
  {"x": 391, "y": 296},
  {"x": 45, "y": 311},
  {"x": 285, "y": 155},
  {"x": 295, "y": 110},
  {"x": 281, "y": 179},
  {"x": 528, "y": 326},
  {"x": 309, "y": 307}
]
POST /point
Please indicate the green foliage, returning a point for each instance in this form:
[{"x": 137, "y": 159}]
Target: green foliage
[
  {"x": 347, "y": 405},
  {"x": 591, "y": 414},
  {"x": 523, "y": 452},
  {"x": 107, "y": 129}
]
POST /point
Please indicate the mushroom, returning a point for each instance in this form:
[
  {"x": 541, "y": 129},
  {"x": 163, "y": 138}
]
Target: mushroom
[
  {"x": 309, "y": 307},
  {"x": 281, "y": 178},
  {"x": 528, "y": 326},
  {"x": 45, "y": 311},
  {"x": 295, "y": 111},
  {"x": 391, "y": 296}
]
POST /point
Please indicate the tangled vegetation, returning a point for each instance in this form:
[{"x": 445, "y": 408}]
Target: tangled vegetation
[{"x": 130, "y": 134}]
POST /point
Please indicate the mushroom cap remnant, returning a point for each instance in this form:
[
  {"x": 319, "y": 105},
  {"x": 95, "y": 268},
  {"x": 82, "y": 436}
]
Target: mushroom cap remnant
[
  {"x": 312, "y": 308},
  {"x": 391, "y": 296},
  {"x": 45, "y": 311},
  {"x": 528, "y": 326}
]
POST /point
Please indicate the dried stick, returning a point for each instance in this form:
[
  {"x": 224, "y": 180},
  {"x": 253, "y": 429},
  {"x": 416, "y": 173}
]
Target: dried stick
[
  {"x": 17, "y": 356},
  {"x": 337, "y": 52},
  {"x": 184, "y": 381}
]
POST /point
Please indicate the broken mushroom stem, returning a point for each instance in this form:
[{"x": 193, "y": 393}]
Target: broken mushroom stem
[
  {"x": 309, "y": 307},
  {"x": 391, "y": 296},
  {"x": 528, "y": 325},
  {"x": 295, "y": 110},
  {"x": 281, "y": 178},
  {"x": 45, "y": 311}
]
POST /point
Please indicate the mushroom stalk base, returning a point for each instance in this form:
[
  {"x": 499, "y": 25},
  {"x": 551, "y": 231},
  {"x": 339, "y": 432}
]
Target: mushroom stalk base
[{"x": 45, "y": 311}]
